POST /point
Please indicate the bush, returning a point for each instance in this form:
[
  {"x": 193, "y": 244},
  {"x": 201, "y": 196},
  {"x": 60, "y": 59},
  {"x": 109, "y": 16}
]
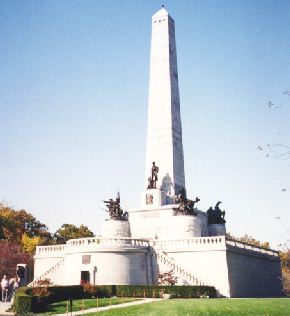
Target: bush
[
  {"x": 25, "y": 302},
  {"x": 22, "y": 304},
  {"x": 158, "y": 291},
  {"x": 98, "y": 290}
]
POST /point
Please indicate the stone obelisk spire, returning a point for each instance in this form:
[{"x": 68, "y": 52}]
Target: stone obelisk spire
[{"x": 164, "y": 134}]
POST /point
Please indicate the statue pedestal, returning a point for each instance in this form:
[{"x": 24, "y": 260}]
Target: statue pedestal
[
  {"x": 153, "y": 198},
  {"x": 183, "y": 226},
  {"x": 115, "y": 228},
  {"x": 216, "y": 229}
]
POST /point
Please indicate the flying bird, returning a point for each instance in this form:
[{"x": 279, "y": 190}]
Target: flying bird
[{"x": 270, "y": 104}]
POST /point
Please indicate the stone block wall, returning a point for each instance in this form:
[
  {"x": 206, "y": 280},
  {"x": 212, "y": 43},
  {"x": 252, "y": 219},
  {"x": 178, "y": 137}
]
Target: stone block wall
[{"x": 253, "y": 274}]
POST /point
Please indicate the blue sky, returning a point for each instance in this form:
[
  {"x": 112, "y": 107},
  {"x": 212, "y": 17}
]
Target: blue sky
[{"x": 73, "y": 100}]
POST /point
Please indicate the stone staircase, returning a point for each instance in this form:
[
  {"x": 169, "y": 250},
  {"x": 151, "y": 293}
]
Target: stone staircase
[
  {"x": 185, "y": 276},
  {"x": 49, "y": 274}
]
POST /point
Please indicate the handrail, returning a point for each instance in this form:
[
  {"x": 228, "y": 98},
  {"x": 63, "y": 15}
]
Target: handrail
[
  {"x": 189, "y": 242},
  {"x": 245, "y": 245},
  {"x": 92, "y": 242},
  {"x": 165, "y": 259},
  {"x": 210, "y": 241},
  {"x": 46, "y": 274}
]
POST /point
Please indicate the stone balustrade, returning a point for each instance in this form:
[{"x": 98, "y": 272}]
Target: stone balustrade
[
  {"x": 105, "y": 241},
  {"x": 93, "y": 242},
  {"x": 244, "y": 245},
  {"x": 185, "y": 243},
  {"x": 48, "y": 249},
  {"x": 208, "y": 243},
  {"x": 192, "y": 242}
]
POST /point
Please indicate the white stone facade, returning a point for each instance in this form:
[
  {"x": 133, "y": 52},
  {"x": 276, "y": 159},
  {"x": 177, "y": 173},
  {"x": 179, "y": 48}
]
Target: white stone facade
[
  {"x": 235, "y": 269},
  {"x": 103, "y": 260},
  {"x": 156, "y": 237}
]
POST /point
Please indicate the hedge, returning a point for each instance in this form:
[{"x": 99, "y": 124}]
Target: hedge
[
  {"x": 25, "y": 302},
  {"x": 62, "y": 293},
  {"x": 22, "y": 304},
  {"x": 185, "y": 291}
]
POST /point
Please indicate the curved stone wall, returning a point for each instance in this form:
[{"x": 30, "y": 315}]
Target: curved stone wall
[
  {"x": 110, "y": 266},
  {"x": 115, "y": 228},
  {"x": 184, "y": 226}
]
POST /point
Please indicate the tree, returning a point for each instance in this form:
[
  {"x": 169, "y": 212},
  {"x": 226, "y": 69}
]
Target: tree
[
  {"x": 70, "y": 231},
  {"x": 16, "y": 223},
  {"x": 29, "y": 243},
  {"x": 167, "y": 278},
  {"x": 285, "y": 260},
  {"x": 277, "y": 150},
  {"x": 285, "y": 263},
  {"x": 10, "y": 255}
]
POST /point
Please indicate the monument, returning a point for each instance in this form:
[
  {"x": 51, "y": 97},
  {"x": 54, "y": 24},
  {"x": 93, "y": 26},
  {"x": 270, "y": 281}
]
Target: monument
[
  {"x": 167, "y": 231},
  {"x": 164, "y": 155},
  {"x": 164, "y": 132}
]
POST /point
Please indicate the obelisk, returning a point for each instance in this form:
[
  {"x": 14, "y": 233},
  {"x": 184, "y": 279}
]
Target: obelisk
[{"x": 164, "y": 133}]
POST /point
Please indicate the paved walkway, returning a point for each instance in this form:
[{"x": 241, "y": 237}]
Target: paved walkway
[
  {"x": 4, "y": 307},
  {"x": 99, "y": 309}
]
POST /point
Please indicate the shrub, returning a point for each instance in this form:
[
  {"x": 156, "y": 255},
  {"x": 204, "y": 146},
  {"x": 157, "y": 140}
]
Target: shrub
[
  {"x": 25, "y": 302},
  {"x": 22, "y": 304},
  {"x": 158, "y": 291},
  {"x": 167, "y": 278},
  {"x": 41, "y": 289}
]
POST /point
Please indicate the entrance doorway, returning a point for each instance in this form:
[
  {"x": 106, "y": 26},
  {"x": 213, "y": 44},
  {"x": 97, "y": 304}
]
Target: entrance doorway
[{"x": 85, "y": 276}]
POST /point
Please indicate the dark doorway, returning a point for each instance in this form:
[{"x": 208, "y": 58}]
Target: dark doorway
[{"x": 85, "y": 276}]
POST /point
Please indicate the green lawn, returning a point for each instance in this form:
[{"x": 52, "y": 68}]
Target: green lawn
[
  {"x": 61, "y": 307},
  {"x": 208, "y": 307}
]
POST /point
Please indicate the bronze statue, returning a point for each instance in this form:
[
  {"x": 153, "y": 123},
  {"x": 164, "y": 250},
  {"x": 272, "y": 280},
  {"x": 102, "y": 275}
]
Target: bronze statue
[
  {"x": 186, "y": 206},
  {"x": 216, "y": 215},
  {"x": 115, "y": 210},
  {"x": 154, "y": 177}
]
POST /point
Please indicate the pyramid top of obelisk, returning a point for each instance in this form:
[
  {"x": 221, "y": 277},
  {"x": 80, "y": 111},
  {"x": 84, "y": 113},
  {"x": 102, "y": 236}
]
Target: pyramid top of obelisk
[{"x": 160, "y": 13}]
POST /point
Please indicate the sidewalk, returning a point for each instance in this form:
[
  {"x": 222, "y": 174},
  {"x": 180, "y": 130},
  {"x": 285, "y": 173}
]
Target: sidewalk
[
  {"x": 99, "y": 309},
  {"x": 4, "y": 307}
]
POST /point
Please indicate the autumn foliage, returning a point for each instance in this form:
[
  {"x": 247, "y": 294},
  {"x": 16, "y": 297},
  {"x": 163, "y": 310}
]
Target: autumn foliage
[
  {"x": 167, "y": 278},
  {"x": 11, "y": 254},
  {"x": 41, "y": 289}
]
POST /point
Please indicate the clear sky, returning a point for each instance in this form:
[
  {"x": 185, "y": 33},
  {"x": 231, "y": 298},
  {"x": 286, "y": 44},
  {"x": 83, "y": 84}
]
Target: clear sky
[{"x": 73, "y": 103}]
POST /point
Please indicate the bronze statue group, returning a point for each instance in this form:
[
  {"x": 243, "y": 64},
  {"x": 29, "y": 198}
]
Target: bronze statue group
[
  {"x": 114, "y": 209},
  {"x": 186, "y": 206}
]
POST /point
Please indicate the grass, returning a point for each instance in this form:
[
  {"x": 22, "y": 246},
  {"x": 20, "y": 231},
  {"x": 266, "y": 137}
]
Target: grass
[
  {"x": 206, "y": 307},
  {"x": 61, "y": 307}
]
